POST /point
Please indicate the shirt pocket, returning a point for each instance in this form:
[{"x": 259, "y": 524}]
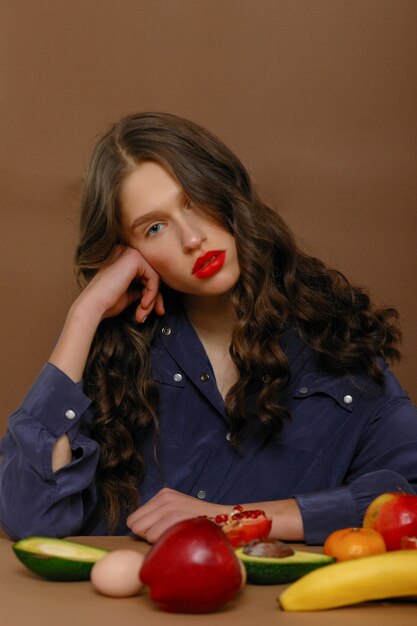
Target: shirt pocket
[
  {"x": 321, "y": 406},
  {"x": 172, "y": 405}
]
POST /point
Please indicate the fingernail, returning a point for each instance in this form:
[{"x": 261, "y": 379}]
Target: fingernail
[{"x": 144, "y": 319}]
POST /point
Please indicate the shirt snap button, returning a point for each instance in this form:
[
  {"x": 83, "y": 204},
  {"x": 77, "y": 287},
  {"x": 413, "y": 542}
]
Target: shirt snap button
[
  {"x": 177, "y": 378},
  {"x": 201, "y": 494},
  {"x": 229, "y": 436},
  {"x": 205, "y": 377},
  {"x": 348, "y": 399},
  {"x": 166, "y": 331},
  {"x": 304, "y": 390},
  {"x": 70, "y": 414}
]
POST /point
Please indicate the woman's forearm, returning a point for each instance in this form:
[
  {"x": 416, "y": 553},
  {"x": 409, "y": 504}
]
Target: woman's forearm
[
  {"x": 71, "y": 351},
  {"x": 168, "y": 507},
  {"x": 287, "y": 522},
  {"x": 70, "y": 356}
]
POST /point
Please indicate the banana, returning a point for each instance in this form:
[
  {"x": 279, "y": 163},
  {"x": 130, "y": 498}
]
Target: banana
[{"x": 387, "y": 575}]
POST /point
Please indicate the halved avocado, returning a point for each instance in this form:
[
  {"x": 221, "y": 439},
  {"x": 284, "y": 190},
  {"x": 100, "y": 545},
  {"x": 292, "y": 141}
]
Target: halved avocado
[
  {"x": 273, "y": 571},
  {"x": 57, "y": 559}
]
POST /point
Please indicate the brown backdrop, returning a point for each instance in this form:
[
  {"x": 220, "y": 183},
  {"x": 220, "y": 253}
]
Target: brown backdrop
[{"x": 318, "y": 97}]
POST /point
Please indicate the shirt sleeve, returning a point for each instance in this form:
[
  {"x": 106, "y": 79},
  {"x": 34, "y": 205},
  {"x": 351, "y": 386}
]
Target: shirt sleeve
[
  {"x": 385, "y": 461},
  {"x": 34, "y": 499}
]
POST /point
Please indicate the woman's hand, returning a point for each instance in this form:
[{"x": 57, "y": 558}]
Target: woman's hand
[
  {"x": 167, "y": 508},
  {"x": 124, "y": 278}
]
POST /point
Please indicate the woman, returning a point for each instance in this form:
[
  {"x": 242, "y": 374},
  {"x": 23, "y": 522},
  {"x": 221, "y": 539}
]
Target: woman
[{"x": 219, "y": 364}]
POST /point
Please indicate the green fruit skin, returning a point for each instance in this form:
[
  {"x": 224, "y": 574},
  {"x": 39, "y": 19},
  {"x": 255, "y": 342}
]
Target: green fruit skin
[
  {"x": 279, "y": 571},
  {"x": 59, "y": 568},
  {"x": 55, "y": 568}
]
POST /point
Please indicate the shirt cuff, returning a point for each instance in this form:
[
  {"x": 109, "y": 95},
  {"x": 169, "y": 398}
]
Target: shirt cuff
[
  {"x": 55, "y": 400},
  {"x": 325, "y": 511},
  {"x": 344, "y": 507}
]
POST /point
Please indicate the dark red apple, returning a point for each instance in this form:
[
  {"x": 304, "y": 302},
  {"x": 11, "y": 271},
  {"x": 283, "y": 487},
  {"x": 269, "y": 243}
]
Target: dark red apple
[
  {"x": 192, "y": 568},
  {"x": 394, "y": 516},
  {"x": 408, "y": 543}
]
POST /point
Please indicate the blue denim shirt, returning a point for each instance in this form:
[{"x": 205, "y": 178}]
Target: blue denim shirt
[{"x": 347, "y": 441}]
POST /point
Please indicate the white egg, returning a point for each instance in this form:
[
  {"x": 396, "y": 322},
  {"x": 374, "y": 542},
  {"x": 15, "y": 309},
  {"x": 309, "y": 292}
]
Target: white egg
[{"x": 117, "y": 573}]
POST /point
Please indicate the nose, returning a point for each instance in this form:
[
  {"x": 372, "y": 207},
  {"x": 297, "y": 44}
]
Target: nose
[{"x": 192, "y": 235}]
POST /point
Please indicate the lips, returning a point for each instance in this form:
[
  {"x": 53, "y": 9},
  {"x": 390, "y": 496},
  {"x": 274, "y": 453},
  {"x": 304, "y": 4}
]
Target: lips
[{"x": 209, "y": 263}]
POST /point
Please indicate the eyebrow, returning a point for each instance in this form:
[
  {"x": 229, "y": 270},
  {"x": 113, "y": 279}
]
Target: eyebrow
[
  {"x": 148, "y": 217},
  {"x": 156, "y": 213}
]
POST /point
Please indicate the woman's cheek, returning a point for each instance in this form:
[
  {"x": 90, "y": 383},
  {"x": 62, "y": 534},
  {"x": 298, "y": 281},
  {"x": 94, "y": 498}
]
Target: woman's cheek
[
  {"x": 165, "y": 266},
  {"x": 154, "y": 258}
]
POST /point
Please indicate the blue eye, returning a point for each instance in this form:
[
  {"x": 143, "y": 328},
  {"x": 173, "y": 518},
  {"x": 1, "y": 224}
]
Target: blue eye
[{"x": 154, "y": 229}]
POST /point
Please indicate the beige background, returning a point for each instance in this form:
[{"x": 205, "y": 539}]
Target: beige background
[{"x": 318, "y": 97}]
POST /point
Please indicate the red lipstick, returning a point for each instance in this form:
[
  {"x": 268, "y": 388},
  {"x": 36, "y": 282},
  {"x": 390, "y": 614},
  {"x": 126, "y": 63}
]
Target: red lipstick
[{"x": 209, "y": 263}]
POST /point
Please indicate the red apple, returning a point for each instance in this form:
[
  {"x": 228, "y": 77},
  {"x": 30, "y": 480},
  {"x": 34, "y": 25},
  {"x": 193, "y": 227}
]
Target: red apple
[
  {"x": 408, "y": 543},
  {"x": 192, "y": 568},
  {"x": 393, "y": 515}
]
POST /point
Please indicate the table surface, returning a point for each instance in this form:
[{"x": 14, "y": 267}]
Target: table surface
[{"x": 27, "y": 600}]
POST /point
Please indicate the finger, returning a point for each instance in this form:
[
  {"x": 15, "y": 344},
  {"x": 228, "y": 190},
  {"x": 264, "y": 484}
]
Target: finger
[
  {"x": 159, "y": 304},
  {"x": 141, "y": 521},
  {"x": 141, "y": 314},
  {"x": 163, "y": 497},
  {"x": 145, "y": 307},
  {"x": 150, "y": 292},
  {"x": 163, "y": 524},
  {"x": 131, "y": 296},
  {"x": 144, "y": 510}
]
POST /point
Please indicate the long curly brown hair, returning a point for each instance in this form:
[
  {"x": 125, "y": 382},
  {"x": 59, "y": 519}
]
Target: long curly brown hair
[{"x": 278, "y": 283}]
